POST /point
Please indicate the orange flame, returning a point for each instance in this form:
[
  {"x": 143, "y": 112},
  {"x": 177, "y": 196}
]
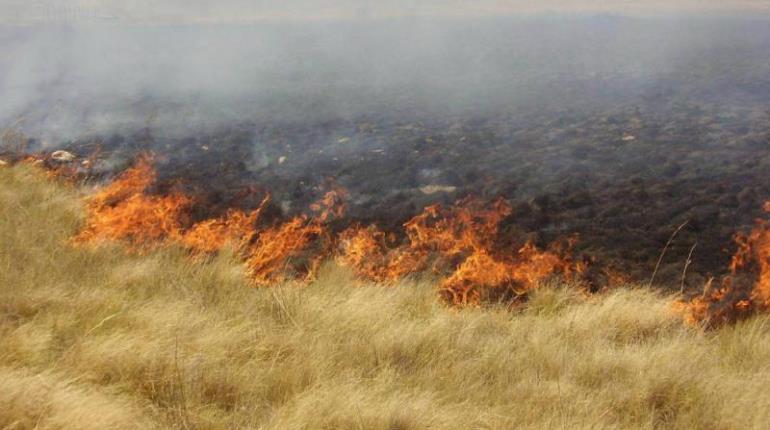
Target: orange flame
[
  {"x": 373, "y": 255},
  {"x": 737, "y": 296},
  {"x": 123, "y": 212},
  {"x": 296, "y": 247},
  {"x": 460, "y": 241},
  {"x": 235, "y": 228}
]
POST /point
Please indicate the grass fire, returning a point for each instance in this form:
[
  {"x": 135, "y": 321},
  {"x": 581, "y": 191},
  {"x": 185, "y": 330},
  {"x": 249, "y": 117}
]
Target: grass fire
[
  {"x": 374, "y": 215},
  {"x": 458, "y": 241},
  {"x": 141, "y": 332}
]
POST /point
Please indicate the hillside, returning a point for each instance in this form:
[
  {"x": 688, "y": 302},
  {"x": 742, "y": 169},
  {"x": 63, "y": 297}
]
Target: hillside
[{"x": 101, "y": 338}]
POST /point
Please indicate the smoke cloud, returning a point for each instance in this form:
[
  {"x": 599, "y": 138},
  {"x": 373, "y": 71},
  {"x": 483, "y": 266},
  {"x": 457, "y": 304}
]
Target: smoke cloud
[{"x": 79, "y": 79}]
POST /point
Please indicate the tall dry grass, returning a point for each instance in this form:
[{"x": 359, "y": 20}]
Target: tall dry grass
[{"x": 98, "y": 338}]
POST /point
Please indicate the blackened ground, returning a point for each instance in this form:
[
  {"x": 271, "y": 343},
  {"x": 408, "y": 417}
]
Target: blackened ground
[{"x": 623, "y": 178}]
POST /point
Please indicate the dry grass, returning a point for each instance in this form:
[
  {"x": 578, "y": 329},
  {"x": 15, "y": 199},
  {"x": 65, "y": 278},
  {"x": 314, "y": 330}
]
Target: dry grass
[{"x": 103, "y": 339}]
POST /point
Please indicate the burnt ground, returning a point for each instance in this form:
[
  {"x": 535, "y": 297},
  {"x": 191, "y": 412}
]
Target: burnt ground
[
  {"x": 622, "y": 179},
  {"x": 621, "y": 153}
]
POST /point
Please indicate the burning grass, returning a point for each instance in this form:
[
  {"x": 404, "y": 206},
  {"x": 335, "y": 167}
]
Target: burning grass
[
  {"x": 460, "y": 240},
  {"x": 459, "y": 243},
  {"x": 104, "y": 338},
  {"x": 745, "y": 290}
]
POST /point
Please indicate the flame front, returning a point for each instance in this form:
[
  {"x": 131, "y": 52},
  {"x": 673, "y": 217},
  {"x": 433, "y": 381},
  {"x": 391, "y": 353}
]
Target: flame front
[
  {"x": 295, "y": 248},
  {"x": 744, "y": 291},
  {"x": 123, "y": 212},
  {"x": 458, "y": 242},
  {"x": 235, "y": 228}
]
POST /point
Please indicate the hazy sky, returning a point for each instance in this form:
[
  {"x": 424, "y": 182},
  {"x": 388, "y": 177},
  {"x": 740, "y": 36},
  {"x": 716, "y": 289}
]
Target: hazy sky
[{"x": 238, "y": 10}]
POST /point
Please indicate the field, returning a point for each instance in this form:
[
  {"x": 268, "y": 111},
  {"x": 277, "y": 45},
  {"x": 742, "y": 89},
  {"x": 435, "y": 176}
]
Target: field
[{"x": 101, "y": 338}]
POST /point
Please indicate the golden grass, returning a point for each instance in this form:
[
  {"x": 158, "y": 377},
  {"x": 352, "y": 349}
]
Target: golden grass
[{"x": 98, "y": 338}]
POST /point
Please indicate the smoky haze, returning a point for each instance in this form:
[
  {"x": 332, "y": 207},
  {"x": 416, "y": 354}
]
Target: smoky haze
[
  {"x": 186, "y": 11},
  {"x": 68, "y": 81}
]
